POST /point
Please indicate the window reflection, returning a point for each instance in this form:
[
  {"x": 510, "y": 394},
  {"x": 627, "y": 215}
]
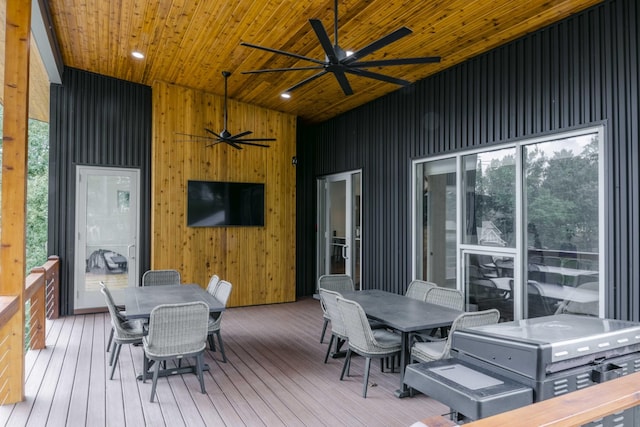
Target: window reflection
[
  {"x": 490, "y": 190},
  {"x": 561, "y": 182},
  {"x": 489, "y": 283}
]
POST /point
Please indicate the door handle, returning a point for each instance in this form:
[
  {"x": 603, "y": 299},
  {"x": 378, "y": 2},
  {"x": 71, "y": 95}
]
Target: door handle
[
  {"x": 344, "y": 252},
  {"x": 129, "y": 251}
]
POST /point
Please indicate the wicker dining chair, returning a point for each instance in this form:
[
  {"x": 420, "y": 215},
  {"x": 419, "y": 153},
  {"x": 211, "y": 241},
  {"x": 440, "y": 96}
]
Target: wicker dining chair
[
  {"x": 417, "y": 289},
  {"x": 338, "y": 330},
  {"x": 213, "y": 284},
  {"x": 176, "y": 331},
  {"x": 124, "y": 331},
  {"x": 222, "y": 293},
  {"x": 446, "y": 297},
  {"x": 439, "y": 348},
  {"x": 160, "y": 277},
  {"x": 369, "y": 343},
  {"x": 120, "y": 312},
  {"x": 335, "y": 283}
]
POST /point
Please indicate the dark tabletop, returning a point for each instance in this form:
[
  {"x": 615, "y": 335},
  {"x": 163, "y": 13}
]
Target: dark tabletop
[
  {"x": 139, "y": 301},
  {"x": 402, "y": 313}
]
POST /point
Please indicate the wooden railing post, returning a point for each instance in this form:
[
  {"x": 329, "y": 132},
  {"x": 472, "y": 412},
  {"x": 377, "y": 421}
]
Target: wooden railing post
[
  {"x": 35, "y": 292},
  {"x": 52, "y": 266}
]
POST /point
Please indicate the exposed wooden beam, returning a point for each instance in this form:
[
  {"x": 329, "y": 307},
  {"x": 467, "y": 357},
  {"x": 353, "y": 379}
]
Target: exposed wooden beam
[{"x": 14, "y": 180}]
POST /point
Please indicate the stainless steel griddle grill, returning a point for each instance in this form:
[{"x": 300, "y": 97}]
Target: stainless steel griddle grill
[{"x": 533, "y": 360}]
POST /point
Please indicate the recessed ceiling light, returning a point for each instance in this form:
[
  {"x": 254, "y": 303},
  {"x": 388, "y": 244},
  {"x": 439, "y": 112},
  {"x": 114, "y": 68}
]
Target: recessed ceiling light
[
  {"x": 285, "y": 95},
  {"x": 138, "y": 55}
]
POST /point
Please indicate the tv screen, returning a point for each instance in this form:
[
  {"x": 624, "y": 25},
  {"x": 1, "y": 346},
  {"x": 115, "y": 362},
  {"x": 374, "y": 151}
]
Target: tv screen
[{"x": 222, "y": 204}]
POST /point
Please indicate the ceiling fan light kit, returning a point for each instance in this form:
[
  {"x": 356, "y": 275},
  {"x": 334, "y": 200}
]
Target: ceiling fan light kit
[
  {"x": 237, "y": 140},
  {"x": 341, "y": 63}
]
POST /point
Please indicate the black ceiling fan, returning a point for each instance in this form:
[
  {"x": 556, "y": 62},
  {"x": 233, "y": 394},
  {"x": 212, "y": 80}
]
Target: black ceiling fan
[
  {"x": 338, "y": 62},
  {"x": 225, "y": 136}
]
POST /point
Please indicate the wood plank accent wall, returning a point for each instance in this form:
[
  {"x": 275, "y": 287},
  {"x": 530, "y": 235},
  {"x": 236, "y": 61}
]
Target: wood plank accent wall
[
  {"x": 98, "y": 121},
  {"x": 258, "y": 261},
  {"x": 579, "y": 72}
]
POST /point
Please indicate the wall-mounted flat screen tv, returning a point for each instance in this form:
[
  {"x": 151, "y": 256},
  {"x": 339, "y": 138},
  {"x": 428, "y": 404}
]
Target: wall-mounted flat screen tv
[{"x": 224, "y": 204}]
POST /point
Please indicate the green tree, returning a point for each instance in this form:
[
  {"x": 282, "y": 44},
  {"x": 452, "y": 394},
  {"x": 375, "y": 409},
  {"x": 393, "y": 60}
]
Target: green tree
[
  {"x": 37, "y": 191},
  {"x": 495, "y": 195}
]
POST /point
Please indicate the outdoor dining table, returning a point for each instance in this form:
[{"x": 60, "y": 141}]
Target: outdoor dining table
[
  {"x": 405, "y": 315},
  {"x": 140, "y": 301}
]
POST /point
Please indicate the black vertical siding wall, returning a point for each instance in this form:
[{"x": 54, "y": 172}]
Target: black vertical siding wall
[
  {"x": 98, "y": 121},
  {"x": 582, "y": 71}
]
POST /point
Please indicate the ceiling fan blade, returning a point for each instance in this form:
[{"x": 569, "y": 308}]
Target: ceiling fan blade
[
  {"x": 399, "y": 61},
  {"x": 307, "y": 80},
  {"x": 213, "y": 143},
  {"x": 344, "y": 83},
  {"x": 378, "y": 44},
  {"x": 194, "y": 137},
  {"x": 251, "y": 143},
  {"x": 323, "y": 37},
  {"x": 253, "y": 139},
  {"x": 233, "y": 144},
  {"x": 282, "y": 52},
  {"x": 241, "y": 134},
  {"x": 377, "y": 76},
  {"x": 270, "y": 70},
  {"x": 213, "y": 133}
]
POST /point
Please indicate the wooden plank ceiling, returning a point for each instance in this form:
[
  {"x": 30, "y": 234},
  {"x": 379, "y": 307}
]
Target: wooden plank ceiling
[{"x": 190, "y": 43}]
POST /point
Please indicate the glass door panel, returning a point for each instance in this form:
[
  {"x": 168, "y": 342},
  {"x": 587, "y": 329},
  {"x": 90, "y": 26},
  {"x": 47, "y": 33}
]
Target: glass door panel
[
  {"x": 490, "y": 198},
  {"x": 339, "y": 247},
  {"x": 561, "y": 185},
  {"x": 339, "y": 242},
  {"x": 107, "y": 233},
  {"x": 436, "y": 222},
  {"x": 489, "y": 283}
]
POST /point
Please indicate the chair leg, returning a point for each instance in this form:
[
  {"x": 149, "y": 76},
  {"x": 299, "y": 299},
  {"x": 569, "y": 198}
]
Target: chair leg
[
  {"x": 224, "y": 356},
  {"x": 155, "y": 379},
  {"x": 212, "y": 342},
  {"x": 199, "y": 363},
  {"x": 113, "y": 353},
  {"x": 345, "y": 367},
  {"x": 114, "y": 359},
  {"x": 324, "y": 329},
  {"x": 326, "y": 356},
  {"x": 145, "y": 367},
  {"x": 110, "y": 339},
  {"x": 367, "y": 366}
]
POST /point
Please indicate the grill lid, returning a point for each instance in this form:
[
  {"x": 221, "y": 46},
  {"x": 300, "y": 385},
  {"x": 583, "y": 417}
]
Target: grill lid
[{"x": 565, "y": 335}]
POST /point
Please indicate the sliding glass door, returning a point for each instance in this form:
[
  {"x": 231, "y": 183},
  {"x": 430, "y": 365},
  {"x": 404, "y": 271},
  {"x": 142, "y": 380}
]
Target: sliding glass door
[{"x": 519, "y": 227}]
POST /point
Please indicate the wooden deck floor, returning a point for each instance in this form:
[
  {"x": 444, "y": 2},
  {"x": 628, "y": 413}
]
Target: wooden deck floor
[{"x": 274, "y": 377}]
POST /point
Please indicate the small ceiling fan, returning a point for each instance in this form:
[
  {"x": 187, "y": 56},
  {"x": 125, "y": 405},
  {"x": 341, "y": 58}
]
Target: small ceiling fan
[
  {"x": 225, "y": 136},
  {"x": 338, "y": 62}
]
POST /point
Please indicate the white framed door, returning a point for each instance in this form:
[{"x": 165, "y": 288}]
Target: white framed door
[
  {"x": 107, "y": 233},
  {"x": 339, "y": 225}
]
